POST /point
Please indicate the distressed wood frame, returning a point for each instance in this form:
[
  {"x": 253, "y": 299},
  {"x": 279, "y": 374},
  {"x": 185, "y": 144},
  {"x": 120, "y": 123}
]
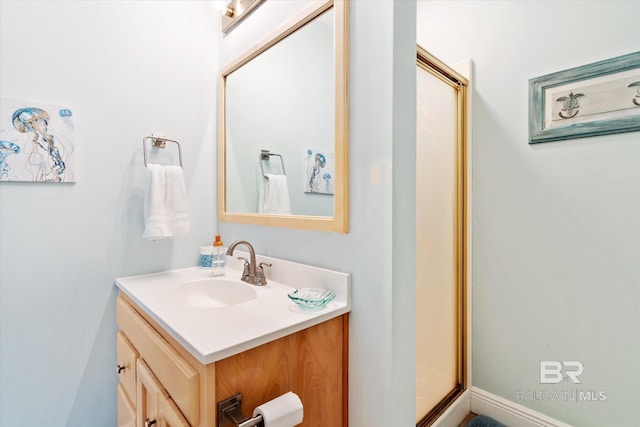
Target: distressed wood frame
[{"x": 613, "y": 102}]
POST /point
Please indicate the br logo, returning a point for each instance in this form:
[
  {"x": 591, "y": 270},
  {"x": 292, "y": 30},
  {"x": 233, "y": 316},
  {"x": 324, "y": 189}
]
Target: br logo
[{"x": 552, "y": 371}]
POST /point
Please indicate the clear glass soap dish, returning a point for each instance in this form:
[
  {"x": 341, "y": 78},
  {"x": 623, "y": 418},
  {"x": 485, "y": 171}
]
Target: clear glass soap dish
[{"x": 312, "y": 298}]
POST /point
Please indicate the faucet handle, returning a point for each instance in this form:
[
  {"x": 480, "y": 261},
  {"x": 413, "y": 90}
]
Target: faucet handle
[
  {"x": 245, "y": 270},
  {"x": 260, "y": 279}
]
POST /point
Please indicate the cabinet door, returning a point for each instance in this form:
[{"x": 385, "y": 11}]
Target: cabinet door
[
  {"x": 126, "y": 409},
  {"x": 169, "y": 414},
  {"x": 126, "y": 358},
  {"x": 155, "y": 407},
  {"x": 148, "y": 390}
]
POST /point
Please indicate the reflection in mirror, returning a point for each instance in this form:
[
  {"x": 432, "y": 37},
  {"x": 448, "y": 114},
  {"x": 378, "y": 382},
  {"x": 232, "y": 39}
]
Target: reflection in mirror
[
  {"x": 282, "y": 101},
  {"x": 282, "y": 139}
]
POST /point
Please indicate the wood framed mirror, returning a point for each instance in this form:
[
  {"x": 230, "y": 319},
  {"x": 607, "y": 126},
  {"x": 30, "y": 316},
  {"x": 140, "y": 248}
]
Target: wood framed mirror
[{"x": 283, "y": 126}]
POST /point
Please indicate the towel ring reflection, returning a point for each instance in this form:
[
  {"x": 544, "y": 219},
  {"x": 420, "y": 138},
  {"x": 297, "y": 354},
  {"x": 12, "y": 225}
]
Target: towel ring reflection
[
  {"x": 159, "y": 142},
  {"x": 264, "y": 155}
]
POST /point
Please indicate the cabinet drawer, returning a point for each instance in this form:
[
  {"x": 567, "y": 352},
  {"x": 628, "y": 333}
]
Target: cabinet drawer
[
  {"x": 126, "y": 360},
  {"x": 175, "y": 374},
  {"x": 126, "y": 410}
]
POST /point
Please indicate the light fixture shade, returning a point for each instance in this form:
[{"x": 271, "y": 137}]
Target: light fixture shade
[
  {"x": 236, "y": 11},
  {"x": 221, "y": 5}
]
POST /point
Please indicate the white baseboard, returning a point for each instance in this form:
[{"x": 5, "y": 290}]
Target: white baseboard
[
  {"x": 455, "y": 413},
  {"x": 509, "y": 413}
]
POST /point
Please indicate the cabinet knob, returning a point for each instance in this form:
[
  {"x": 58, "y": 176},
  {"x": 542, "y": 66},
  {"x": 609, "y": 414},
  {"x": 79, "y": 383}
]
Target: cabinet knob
[
  {"x": 120, "y": 368},
  {"x": 149, "y": 423}
]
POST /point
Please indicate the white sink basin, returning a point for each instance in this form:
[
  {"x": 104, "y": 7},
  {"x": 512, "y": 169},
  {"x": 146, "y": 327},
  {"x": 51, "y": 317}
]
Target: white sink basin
[{"x": 211, "y": 292}]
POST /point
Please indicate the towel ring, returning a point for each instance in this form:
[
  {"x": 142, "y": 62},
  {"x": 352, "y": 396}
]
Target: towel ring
[{"x": 159, "y": 142}]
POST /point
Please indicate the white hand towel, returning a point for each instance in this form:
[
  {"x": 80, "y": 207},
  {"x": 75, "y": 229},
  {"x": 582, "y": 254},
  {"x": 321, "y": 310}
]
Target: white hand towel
[
  {"x": 156, "y": 215},
  {"x": 177, "y": 201},
  {"x": 276, "y": 195},
  {"x": 166, "y": 213}
]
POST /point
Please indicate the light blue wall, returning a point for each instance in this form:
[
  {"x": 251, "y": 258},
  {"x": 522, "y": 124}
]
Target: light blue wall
[
  {"x": 378, "y": 251},
  {"x": 556, "y": 226},
  {"x": 127, "y": 69}
]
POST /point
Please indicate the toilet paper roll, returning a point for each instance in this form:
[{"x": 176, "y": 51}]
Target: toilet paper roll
[{"x": 283, "y": 411}]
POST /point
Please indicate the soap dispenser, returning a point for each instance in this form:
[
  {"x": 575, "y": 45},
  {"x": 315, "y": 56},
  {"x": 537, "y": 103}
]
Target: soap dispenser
[{"x": 218, "y": 259}]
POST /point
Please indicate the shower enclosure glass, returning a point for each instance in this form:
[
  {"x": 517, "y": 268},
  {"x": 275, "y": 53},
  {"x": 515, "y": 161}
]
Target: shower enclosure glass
[{"x": 440, "y": 237}]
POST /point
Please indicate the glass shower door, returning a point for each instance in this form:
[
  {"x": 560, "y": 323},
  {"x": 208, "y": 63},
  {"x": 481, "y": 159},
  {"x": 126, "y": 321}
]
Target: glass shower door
[{"x": 439, "y": 240}]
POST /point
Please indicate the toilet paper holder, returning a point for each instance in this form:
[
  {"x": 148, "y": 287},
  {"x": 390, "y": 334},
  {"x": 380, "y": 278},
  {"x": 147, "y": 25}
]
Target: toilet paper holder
[{"x": 230, "y": 414}]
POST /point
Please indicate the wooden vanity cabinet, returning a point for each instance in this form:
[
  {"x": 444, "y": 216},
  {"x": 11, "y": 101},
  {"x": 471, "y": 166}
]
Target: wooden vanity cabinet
[{"x": 172, "y": 388}]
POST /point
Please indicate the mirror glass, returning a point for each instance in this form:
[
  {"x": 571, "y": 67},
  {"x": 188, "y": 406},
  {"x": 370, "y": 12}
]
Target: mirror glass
[{"x": 283, "y": 127}]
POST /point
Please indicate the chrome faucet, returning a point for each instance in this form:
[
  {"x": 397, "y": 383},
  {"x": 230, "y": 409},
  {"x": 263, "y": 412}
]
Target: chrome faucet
[{"x": 251, "y": 273}]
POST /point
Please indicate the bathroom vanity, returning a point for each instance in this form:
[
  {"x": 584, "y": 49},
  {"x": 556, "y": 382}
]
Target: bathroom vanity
[{"x": 180, "y": 353}]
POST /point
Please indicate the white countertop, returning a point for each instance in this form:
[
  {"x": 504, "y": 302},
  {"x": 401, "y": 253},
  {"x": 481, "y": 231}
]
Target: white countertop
[{"x": 214, "y": 333}]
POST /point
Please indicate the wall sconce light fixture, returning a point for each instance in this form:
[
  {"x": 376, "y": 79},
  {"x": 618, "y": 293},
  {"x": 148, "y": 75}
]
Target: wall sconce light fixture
[
  {"x": 223, "y": 8},
  {"x": 234, "y": 11}
]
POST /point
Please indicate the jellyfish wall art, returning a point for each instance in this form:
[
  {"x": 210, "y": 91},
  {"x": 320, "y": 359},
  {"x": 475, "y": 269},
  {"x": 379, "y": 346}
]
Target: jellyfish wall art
[
  {"x": 319, "y": 171},
  {"x": 36, "y": 142}
]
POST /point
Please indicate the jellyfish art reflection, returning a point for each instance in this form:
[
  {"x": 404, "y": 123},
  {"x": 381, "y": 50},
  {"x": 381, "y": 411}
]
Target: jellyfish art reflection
[
  {"x": 314, "y": 178},
  {"x": 6, "y": 149},
  {"x": 35, "y": 121}
]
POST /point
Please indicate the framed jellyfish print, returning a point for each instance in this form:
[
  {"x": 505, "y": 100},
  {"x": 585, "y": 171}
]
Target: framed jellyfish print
[
  {"x": 36, "y": 142},
  {"x": 319, "y": 171},
  {"x": 594, "y": 99}
]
